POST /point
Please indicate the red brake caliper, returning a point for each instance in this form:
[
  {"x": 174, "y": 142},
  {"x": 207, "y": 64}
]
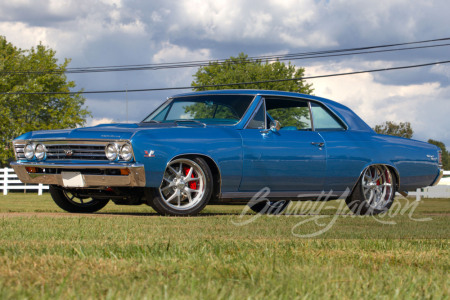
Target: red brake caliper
[{"x": 192, "y": 184}]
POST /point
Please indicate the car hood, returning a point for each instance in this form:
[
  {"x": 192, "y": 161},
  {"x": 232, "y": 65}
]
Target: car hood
[{"x": 104, "y": 131}]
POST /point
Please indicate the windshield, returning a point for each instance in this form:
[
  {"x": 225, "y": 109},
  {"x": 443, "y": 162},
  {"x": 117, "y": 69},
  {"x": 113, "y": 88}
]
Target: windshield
[{"x": 208, "y": 109}]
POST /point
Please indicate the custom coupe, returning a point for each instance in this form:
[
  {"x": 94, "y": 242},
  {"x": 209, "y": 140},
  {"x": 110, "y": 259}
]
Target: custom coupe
[{"x": 224, "y": 147}]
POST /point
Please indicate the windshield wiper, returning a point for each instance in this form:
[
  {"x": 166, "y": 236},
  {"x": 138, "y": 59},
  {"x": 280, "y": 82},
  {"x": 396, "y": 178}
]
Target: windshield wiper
[{"x": 189, "y": 121}]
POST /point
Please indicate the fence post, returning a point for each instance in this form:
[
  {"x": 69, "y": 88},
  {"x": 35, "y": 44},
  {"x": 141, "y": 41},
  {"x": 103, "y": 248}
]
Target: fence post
[
  {"x": 418, "y": 194},
  {"x": 5, "y": 181},
  {"x": 40, "y": 189}
]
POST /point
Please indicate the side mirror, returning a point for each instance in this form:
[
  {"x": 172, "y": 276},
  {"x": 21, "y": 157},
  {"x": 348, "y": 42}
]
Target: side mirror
[{"x": 274, "y": 127}]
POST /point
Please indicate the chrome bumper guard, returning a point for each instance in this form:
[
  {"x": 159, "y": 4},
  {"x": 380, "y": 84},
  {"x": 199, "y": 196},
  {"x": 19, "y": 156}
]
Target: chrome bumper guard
[{"x": 134, "y": 178}]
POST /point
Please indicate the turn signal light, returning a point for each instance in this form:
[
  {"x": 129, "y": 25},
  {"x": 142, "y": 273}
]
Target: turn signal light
[
  {"x": 31, "y": 169},
  {"x": 124, "y": 172}
]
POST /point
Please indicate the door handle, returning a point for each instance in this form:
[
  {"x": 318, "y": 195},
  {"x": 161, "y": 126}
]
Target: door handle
[{"x": 320, "y": 144}]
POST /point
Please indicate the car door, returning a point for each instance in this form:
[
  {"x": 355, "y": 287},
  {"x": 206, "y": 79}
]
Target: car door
[{"x": 292, "y": 159}]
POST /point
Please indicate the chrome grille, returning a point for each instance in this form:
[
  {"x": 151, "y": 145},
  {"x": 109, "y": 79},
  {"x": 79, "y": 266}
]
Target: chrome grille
[
  {"x": 73, "y": 151},
  {"x": 19, "y": 151}
]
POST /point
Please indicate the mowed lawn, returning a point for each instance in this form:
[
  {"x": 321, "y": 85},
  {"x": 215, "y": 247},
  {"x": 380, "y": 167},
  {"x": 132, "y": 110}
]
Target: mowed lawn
[{"x": 318, "y": 252}]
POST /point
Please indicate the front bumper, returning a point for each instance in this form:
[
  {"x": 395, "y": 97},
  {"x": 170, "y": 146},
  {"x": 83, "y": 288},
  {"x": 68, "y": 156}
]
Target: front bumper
[{"x": 93, "y": 175}]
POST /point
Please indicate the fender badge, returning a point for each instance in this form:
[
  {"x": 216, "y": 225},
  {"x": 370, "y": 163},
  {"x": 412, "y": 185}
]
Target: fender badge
[{"x": 149, "y": 154}]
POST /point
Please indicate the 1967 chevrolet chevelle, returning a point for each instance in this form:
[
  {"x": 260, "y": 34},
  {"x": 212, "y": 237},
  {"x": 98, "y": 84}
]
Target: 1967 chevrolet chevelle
[{"x": 225, "y": 146}]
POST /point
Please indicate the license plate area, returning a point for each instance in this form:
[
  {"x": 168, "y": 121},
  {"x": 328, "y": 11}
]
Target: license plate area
[{"x": 73, "y": 179}]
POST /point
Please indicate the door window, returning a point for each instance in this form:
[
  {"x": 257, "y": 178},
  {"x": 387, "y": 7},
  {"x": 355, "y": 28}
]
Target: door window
[{"x": 292, "y": 114}]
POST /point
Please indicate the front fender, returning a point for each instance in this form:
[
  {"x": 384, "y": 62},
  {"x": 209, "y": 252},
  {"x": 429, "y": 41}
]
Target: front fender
[{"x": 156, "y": 148}]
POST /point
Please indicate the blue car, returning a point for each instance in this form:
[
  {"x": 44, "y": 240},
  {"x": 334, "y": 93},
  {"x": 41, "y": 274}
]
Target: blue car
[{"x": 225, "y": 147}]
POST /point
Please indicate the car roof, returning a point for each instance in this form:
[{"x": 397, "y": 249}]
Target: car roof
[{"x": 353, "y": 121}]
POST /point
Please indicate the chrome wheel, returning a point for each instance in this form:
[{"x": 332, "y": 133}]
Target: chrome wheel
[
  {"x": 375, "y": 191},
  {"x": 377, "y": 186},
  {"x": 183, "y": 185}
]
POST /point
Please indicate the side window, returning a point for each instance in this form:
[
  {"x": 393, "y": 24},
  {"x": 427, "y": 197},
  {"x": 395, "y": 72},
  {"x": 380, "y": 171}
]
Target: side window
[
  {"x": 324, "y": 120},
  {"x": 291, "y": 113},
  {"x": 258, "y": 121}
]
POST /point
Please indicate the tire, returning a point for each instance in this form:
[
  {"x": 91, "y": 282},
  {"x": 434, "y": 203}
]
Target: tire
[
  {"x": 71, "y": 203},
  {"x": 186, "y": 188},
  {"x": 374, "y": 193},
  {"x": 270, "y": 207}
]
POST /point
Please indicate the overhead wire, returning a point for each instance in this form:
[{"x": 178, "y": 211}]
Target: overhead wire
[
  {"x": 281, "y": 57},
  {"x": 230, "y": 84}
]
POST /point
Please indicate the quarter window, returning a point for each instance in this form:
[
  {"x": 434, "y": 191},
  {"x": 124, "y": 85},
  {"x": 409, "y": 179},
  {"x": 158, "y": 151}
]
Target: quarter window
[{"x": 323, "y": 120}]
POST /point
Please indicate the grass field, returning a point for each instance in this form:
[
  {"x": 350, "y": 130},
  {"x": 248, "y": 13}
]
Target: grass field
[{"x": 127, "y": 252}]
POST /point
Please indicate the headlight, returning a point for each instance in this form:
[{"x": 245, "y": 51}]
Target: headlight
[
  {"x": 112, "y": 152},
  {"x": 126, "y": 153},
  {"x": 29, "y": 151},
  {"x": 40, "y": 152}
]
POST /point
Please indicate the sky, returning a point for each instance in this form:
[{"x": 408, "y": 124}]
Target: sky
[{"x": 119, "y": 32}]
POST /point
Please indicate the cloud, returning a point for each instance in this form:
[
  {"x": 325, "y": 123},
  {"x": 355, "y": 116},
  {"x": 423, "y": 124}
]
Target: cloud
[{"x": 116, "y": 32}]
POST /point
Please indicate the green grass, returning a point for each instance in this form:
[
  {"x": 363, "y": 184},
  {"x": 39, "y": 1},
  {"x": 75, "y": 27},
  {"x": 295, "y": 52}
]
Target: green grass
[{"x": 129, "y": 252}]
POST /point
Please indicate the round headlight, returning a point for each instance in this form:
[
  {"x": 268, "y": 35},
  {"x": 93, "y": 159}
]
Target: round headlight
[
  {"x": 126, "y": 152},
  {"x": 28, "y": 151},
  {"x": 40, "y": 152},
  {"x": 112, "y": 152}
]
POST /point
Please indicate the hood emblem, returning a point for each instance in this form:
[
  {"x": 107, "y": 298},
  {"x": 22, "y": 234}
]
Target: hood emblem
[{"x": 68, "y": 152}]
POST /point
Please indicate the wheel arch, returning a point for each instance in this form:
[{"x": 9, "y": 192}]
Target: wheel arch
[
  {"x": 213, "y": 166},
  {"x": 390, "y": 166}
]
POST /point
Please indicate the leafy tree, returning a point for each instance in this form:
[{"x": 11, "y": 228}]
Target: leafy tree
[
  {"x": 402, "y": 129},
  {"x": 242, "y": 69},
  {"x": 20, "y": 113},
  {"x": 445, "y": 153}
]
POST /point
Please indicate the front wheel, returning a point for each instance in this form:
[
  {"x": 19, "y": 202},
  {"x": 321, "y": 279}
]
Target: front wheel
[
  {"x": 374, "y": 192},
  {"x": 186, "y": 188},
  {"x": 71, "y": 202}
]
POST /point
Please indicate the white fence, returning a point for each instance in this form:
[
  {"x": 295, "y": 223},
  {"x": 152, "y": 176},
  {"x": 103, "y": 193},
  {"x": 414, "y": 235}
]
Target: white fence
[{"x": 9, "y": 181}]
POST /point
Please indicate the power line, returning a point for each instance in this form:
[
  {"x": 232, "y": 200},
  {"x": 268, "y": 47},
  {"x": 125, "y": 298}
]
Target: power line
[
  {"x": 229, "y": 84},
  {"x": 284, "y": 57}
]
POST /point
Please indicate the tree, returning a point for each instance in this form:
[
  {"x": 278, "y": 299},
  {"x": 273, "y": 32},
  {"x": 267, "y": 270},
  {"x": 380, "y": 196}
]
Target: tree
[
  {"x": 20, "y": 113},
  {"x": 242, "y": 69},
  {"x": 445, "y": 153},
  {"x": 402, "y": 129}
]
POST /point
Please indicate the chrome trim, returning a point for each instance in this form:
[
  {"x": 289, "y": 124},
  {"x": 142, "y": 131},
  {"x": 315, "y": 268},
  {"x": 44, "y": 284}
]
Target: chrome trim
[
  {"x": 54, "y": 142},
  {"x": 438, "y": 178},
  {"x": 290, "y": 194},
  {"x": 135, "y": 178}
]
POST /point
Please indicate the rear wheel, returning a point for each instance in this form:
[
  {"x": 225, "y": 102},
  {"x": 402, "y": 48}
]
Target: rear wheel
[
  {"x": 186, "y": 188},
  {"x": 374, "y": 193},
  {"x": 71, "y": 202},
  {"x": 270, "y": 207}
]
